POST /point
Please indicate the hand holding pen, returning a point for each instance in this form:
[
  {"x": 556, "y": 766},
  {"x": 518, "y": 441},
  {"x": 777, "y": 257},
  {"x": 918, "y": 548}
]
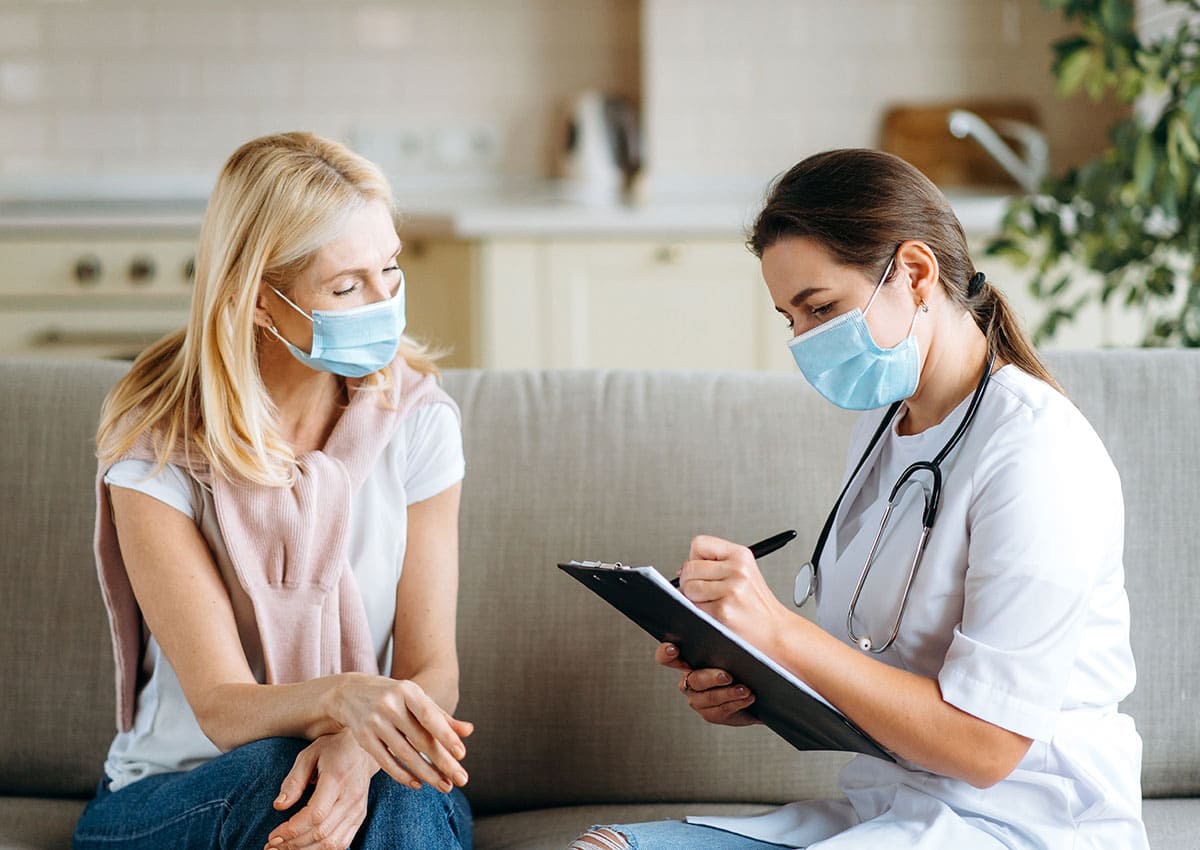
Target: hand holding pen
[{"x": 763, "y": 548}]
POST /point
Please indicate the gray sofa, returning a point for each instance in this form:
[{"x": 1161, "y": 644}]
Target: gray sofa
[{"x": 576, "y": 725}]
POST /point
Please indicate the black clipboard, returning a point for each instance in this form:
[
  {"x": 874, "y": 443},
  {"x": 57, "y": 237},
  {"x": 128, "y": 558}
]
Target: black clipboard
[{"x": 784, "y": 703}]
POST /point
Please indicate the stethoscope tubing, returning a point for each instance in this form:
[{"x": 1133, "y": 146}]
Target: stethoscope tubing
[{"x": 928, "y": 518}]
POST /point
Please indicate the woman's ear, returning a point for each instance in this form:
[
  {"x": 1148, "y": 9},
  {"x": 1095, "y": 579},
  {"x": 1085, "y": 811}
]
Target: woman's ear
[
  {"x": 919, "y": 264},
  {"x": 262, "y": 309}
]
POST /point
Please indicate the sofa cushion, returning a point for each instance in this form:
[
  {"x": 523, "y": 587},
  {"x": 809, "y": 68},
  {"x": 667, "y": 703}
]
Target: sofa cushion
[
  {"x": 1145, "y": 405},
  {"x": 56, "y": 717},
  {"x": 33, "y": 823}
]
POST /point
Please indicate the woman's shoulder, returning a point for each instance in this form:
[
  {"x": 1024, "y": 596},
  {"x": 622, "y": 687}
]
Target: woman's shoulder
[{"x": 1032, "y": 423}]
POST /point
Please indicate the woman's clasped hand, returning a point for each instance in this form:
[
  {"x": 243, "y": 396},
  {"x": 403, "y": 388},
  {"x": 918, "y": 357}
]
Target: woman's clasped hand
[{"x": 410, "y": 737}]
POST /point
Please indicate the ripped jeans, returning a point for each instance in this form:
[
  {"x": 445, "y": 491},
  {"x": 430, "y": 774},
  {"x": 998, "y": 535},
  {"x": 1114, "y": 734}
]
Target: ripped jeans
[{"x": 666, "y": 835}]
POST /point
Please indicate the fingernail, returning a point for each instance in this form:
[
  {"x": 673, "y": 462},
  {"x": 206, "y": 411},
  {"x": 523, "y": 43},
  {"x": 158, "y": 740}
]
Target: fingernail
[
  {"x": 723, "y": 678},
  {"x": 281, "y": 798},
  {"x": 416, "y": 786},
  {"x": 445, "y": 786},
  {"x": 275, "y": 842},
  {"x": 460, "y": 778},
  {"x": 740, "y": 691},
  {"x": 672, "y": 650}
]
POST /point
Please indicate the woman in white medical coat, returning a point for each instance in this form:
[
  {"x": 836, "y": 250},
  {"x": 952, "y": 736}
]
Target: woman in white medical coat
[{"x": 999, "y": 694}]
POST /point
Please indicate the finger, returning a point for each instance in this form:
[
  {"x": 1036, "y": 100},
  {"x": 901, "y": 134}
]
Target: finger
[
  {"x": 336, "y": 830},
  {"x": 667, "y": 654},
  {"x": 390, "y": 765},
  {"x": 716, "y": 697},
  {"x": 707, "y": 548},
  {"x": 408, "y": 756},
  {"x": 297, "y": 779},
  {"x": 437, "y": 740},
  {"x": 314, "y": 815},
  {"x": 701, "y": 591},
  {"x": 724, "y": 712},
  {"x": 433, "y": 725},
  {"x": 703, "y": 680},
  {"x": 464, "y": 728}
]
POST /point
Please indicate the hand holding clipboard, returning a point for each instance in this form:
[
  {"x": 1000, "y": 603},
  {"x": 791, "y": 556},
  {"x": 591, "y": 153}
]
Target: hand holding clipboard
[{"x": 783, "y": 702}]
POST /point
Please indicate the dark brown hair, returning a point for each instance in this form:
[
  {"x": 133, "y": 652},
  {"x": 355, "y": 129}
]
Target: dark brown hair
[{"x": 860, "y": 205}]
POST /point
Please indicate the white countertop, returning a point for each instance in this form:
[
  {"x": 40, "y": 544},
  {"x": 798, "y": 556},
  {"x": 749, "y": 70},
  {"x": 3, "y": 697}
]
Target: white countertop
[{"x": 528, "y": 211}]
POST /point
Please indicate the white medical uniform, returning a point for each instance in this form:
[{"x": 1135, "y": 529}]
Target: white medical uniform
[
  {"x": 424, "y": 457},
  {"x": 1018, "y": 610}
]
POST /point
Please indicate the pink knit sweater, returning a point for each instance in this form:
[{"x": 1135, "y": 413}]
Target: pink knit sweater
[{"x": 287, "y": 545}]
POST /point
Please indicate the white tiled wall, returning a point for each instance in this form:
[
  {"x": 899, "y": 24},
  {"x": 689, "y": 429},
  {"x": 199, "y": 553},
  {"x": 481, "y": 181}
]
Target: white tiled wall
[
  {"x": 731, "y": 90},
  {"x": 167, "y": 86},
  {"x": 735, "y": 89}
]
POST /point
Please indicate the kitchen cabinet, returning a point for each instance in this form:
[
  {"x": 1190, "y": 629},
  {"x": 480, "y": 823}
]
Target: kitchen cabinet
[
  {"x": 626, "y": 303},
  {"x": 441, "y": 285}
]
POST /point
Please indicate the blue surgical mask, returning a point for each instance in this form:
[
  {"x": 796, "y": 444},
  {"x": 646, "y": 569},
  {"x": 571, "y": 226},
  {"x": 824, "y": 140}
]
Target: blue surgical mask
[
  {"x": 843, "y": 363},
  {"x": 353, "y": 342}
]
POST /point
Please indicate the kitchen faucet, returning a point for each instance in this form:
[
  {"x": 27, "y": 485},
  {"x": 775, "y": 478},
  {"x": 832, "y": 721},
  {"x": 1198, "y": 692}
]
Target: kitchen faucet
[{"x": 1028, "y": 170}]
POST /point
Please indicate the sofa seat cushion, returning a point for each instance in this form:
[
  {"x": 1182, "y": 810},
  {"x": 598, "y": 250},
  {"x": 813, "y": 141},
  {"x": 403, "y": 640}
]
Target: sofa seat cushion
[
  {"x": 35, "y": 823},
  {"x": 38, "y": 823},
  {"x": 1172, "y": 824},
  {"x": 555, "y": 828}
]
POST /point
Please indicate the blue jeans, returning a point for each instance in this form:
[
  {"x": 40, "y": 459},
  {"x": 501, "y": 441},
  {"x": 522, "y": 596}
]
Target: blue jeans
[
  {"x": 225, "y": 804},
  {"x": 680, "y": 835}
]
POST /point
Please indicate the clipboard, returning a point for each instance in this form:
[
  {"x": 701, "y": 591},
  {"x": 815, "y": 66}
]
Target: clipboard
[{"x": 784, "y": 703}]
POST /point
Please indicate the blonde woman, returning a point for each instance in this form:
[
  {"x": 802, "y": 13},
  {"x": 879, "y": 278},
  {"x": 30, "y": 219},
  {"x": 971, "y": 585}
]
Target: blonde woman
[{"x": 277, "y": 538}]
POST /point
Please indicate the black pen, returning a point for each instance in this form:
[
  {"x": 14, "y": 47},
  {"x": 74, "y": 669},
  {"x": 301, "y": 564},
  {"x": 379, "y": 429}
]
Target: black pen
[{"x": 764, "y": 547}]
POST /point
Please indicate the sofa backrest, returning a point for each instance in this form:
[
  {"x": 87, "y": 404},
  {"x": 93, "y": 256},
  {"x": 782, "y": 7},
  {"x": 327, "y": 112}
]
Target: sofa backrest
[{"x": 604, "y": 465}]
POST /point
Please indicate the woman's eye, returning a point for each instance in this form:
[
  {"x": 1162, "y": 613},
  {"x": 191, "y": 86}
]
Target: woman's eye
[
  {"x": 823, "y": 310},
  {"x": 347, "y": 290},
  {"x": 392, "y": 268}
]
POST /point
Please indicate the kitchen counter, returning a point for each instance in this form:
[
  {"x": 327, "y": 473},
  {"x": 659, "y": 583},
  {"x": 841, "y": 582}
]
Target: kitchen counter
[{"x": 532, "y": 211}]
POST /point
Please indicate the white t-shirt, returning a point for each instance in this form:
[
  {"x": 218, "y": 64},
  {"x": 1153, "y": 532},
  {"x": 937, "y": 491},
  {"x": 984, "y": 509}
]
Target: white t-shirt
[
  {"x": 424, "y": 457},
  {"x": 1018, "y": 610}
]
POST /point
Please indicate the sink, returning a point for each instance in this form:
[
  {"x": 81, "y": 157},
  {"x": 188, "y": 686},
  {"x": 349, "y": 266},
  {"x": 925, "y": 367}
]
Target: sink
[{"x": 979, "y": 210}]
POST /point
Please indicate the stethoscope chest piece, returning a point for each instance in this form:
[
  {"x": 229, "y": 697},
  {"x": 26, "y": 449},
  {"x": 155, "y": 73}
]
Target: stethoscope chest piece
[{"x": 806, "y": 584}]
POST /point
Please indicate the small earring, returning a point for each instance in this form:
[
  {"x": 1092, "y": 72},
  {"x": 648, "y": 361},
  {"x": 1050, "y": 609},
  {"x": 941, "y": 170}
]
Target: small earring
[{"x": 924, "y": 307}]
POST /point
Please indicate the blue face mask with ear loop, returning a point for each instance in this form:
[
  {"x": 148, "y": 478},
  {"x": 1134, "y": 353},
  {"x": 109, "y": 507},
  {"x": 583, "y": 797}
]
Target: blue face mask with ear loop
[
  {"x": 844, "y": 364},
  {"x": 354, "y": 342}
]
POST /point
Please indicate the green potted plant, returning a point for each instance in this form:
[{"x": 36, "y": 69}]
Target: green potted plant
[{"x": 1125, "y": 225}]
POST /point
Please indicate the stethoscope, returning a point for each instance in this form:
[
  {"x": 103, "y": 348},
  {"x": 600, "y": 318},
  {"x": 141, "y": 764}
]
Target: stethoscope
[{"x": 808, "y": 579}]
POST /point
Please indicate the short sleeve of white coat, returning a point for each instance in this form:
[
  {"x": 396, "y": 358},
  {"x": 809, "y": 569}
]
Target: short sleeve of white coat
[
  {"x": 1046, "y": 507},
  {"x": 435, "y": 452}
]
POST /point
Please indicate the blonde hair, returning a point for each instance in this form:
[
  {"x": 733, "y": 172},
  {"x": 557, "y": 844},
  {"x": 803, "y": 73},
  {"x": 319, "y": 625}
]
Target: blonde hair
[{"x": 277, "y": 201}]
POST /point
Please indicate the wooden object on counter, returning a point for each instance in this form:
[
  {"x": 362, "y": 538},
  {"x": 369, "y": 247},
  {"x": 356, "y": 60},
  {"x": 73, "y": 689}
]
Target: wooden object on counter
[{"x": 921, "y": 135}]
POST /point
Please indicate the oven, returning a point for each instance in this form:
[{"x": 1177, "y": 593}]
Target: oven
[{"x": 97, "y": 284}]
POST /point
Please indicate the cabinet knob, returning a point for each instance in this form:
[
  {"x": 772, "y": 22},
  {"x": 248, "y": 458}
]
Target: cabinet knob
[
  {"x": 668, "y": 255},
  {"x": 189, "y": 270},
  {"x": 142, "y": 270},
  {"x": 88, "y": 270}
]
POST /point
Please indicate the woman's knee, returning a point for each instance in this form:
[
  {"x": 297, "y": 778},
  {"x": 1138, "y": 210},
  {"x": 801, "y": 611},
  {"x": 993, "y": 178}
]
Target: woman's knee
[
  {"x": 600, "y": 838},
  {"x": 400, "y": 812}
]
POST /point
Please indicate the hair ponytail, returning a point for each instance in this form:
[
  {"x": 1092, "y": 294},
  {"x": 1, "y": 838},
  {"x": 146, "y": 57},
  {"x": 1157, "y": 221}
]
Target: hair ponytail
[
  {"x": 860, "y": 204},
  {"x": 1005, "y": 336}
]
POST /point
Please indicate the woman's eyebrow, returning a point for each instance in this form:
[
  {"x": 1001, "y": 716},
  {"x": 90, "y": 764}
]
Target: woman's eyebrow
[
  {"x": 804, "y": 294},
  {"x": 345, "y": 272}
]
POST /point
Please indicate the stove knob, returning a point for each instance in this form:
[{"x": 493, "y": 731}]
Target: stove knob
[
  {"x": 88, "y": 270},
  {"x": 142, "y": 271}
]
